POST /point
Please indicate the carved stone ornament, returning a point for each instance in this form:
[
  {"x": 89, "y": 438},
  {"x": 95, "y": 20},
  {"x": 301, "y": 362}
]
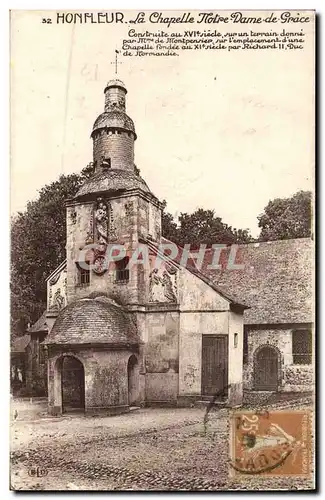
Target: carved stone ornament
[
  {"x": 73, "y": 216},
  {"x": 129, "y": 206},
  {"x": 112, "y": 236},
  {"x": 90, "y": 233},
  {"x": 58, "y": 301},
  {"x": 163, "y": 288},
  {"x": 99, "y": 265},
  {"x": 55, "y": 279},
  {"x": 101, "y": 222}
]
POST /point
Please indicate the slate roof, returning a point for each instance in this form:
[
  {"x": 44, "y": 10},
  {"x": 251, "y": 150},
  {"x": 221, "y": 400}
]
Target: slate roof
[
  {"x": 94, "y": 321},
  {"x": 116, "y": 83},
  {"x": 114, "y": 119},
  {"x": 19, "y": 344},
  {"x": 112, "y": 180},
  {"x": 276, "y": 281},
  {"x": 40, "y": 325},
  {"x": 190, "y": 266}
]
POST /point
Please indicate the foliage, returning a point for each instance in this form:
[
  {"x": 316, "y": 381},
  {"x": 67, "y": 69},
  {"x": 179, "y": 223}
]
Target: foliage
[
  {"x": 286, "y": 218},
  {"x": 201, "y": 227},
  {"x": 38, "y": 237}
]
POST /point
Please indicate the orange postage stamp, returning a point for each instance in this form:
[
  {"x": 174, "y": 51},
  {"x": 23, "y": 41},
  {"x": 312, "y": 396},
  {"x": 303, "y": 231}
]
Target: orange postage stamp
[{"x": 275, "y": 443}]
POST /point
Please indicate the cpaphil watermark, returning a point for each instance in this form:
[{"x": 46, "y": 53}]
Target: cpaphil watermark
[
  {"x": 102, "y": 258},
  {"x": 275, "y": 443}
]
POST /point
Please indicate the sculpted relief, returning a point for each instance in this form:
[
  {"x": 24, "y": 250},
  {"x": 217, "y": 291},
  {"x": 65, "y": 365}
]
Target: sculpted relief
[
  {"x": 101, "y": 221},
  {"x": 57, "y": 292},
  {"x": 163, "y": 285}
]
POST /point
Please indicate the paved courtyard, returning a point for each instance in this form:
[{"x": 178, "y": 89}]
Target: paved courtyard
[{"x": 147, "y": 449}]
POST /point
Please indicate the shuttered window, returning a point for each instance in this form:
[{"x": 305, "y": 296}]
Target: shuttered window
[{"x": 302, "y": 347}]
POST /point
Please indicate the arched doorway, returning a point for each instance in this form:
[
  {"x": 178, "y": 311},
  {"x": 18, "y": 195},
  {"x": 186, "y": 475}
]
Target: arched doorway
[
  {"x": 266, "y": 369},
  {"x": 133, "y": 380},
  {"x": 72, "y": 384}
]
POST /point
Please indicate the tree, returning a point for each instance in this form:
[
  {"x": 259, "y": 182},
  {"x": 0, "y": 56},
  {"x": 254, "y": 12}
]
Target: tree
[
  {"x": 201, "y": 227},
  {"x": 38, "y": 238},
  {"x": 168, "y": 225},
  {"x": 287, "y": 218}
]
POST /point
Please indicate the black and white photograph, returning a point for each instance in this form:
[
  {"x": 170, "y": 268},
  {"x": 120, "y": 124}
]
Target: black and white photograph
[{"x": 162, "y": 288}]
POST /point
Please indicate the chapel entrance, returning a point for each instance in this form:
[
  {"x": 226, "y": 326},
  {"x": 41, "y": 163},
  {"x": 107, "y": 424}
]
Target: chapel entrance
[
  {"x": 215, "y": 366},
  {"x": 133, "y": 380},
  {"x": 266, "y": 369},
  {"x": 72, "y": 384}
]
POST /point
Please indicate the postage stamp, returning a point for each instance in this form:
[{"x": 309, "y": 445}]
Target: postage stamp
[{"x": 275, "y": 443}]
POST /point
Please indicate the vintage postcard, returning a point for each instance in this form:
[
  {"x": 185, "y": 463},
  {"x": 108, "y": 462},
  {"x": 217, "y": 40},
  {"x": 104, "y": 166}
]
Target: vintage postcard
[{"x": 162, "y": 250}]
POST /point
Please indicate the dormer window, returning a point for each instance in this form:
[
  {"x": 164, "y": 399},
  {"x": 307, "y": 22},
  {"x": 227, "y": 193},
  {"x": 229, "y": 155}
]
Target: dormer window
[{"x": 106, "y": 163}]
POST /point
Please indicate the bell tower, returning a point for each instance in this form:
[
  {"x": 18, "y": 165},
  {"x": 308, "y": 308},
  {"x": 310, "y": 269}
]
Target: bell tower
[
  {"x": 113, "y": 132},
  {"x": 114, "y": 207}
]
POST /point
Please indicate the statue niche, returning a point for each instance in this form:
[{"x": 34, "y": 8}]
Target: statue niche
[
  {"x": 105, "y": 231},
  {"x": 101, "y": 222}
]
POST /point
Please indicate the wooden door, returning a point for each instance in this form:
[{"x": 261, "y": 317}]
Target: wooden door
[
  {"x": 214, "y": 365},
  {"x": 266, "y": 369}
]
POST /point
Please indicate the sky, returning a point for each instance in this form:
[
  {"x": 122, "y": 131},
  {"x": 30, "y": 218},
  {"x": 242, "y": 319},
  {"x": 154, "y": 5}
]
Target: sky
[{"x": 226, "y": 131}]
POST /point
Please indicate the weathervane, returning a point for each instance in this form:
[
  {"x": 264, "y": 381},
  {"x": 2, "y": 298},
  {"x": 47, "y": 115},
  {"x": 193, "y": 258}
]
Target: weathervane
[{"x": 116, "y": 62}]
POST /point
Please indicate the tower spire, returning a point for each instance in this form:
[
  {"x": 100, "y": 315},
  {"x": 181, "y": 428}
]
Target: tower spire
[
  {"x": 113, "y": 133},
  {"x": 116, "y": 62}
]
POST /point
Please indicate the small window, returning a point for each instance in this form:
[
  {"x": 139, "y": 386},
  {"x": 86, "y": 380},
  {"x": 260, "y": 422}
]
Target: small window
[
  {"x": 83, "y": 273},
  {"x": 106, "y": 163},
  {"x": 245, "y": 347},
  {"x": 301, "y": 347},
  {"x": 235, "y": 340},
  {"x": 122, "y": 274}
]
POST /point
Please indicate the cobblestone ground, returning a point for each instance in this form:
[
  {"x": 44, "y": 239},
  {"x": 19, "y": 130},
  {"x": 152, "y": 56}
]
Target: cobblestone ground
[{"x": 149, "y": 449}]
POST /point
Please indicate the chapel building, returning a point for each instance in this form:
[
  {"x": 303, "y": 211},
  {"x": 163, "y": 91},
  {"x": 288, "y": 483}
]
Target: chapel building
[{"x": 160, "y": 331}]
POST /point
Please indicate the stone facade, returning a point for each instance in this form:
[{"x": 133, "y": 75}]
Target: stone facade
[
  {"x": 36, "y": 365},
  {"x": 291, "y": 377},
  {"x": 143, "y": 334},
  {"x": 115, "y": 145},
  {"x": 105, "y": 379},
  {"x": 136, "y": 340}
]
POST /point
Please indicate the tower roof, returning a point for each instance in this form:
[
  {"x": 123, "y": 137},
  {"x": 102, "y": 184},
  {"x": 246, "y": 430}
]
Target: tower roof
[
  {"x": 114, "y": 119},
  {"x": 112, "y": 180},
  {"x": 115, "y": 83},
  {"x": 94, "y": 320}
]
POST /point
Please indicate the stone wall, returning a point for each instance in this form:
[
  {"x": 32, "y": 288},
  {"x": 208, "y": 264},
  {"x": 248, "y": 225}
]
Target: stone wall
[
  {"x": 106, "y": 378},
  {"x": 192, "y": 326},
  {"x": 129, "y": 218},
  {"x": 161, "y": 354},
  {"x": 36, "y": 366},
  {"x": 235, "y": 368},
  {"x": 290, "y": 377},
  {"x": 117, "y": 145},
  {"x": 202, "y": 312},
  {"x": 299, "y": 378}
]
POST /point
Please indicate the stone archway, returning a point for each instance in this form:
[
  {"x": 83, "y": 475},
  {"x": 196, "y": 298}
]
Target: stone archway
[
  {"x": 72, "y": 384},
  {"x": 133, "y": 380},
  {"x": 68, "y": 389},
  {"x": 267, "y": 368}
]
